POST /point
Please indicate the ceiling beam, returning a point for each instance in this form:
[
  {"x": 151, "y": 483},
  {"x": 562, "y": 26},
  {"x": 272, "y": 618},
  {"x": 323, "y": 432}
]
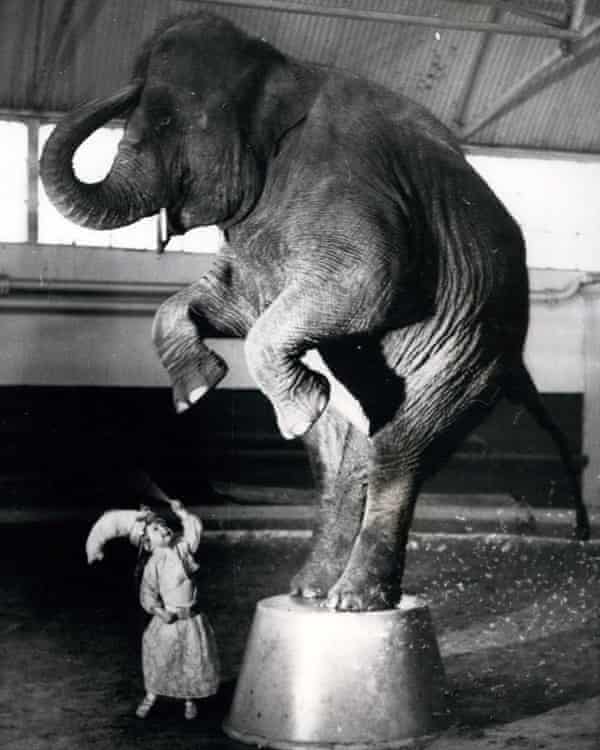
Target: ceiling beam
[
  {"x": 577, "y": 14},
  {"x": 473, "y": 74},
  {"x": 575, "y": 19},
  {"x": 537, "y": 79},
  {"x": 518, "y": 9},
  {"x": 440, "y": 24}
]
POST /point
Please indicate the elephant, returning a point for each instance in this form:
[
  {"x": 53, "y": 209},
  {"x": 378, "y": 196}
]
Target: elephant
[{"x": 378, "y": 283}]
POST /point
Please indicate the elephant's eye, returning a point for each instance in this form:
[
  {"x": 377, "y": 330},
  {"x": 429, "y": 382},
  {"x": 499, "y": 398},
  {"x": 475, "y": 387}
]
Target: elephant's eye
[{"x": 162, "y": 122}]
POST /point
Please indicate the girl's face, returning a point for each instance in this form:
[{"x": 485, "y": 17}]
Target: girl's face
[{"x": 158, "y": 535}]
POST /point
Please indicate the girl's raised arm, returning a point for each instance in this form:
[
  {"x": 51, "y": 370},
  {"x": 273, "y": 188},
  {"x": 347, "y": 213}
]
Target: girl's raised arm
[{"x": 192, "y": 525}]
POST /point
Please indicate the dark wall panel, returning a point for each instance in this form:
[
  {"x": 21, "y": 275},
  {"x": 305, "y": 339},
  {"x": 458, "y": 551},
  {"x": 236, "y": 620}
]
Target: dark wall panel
[{"x": 71, "y": 446}]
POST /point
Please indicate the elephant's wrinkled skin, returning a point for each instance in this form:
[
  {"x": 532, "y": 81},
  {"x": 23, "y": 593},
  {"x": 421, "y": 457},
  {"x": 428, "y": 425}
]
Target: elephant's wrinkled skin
[{"x": 354, "y": 226}]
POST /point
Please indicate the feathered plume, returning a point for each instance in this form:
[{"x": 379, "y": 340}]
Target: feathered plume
[{"x": 112, "y": 524}]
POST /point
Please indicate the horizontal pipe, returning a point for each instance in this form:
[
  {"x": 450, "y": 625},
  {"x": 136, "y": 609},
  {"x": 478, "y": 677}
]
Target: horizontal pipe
[
  {"x": 141, "y": 298},
  {"x": 141, "y": 288},
  {"x": 81, "y": 306},
  {"x": 45, "y": 286},
  {"x": 83, "y": 297},
  {"x": 401, "y": 18},
  {"x": 567, "y": 292}
]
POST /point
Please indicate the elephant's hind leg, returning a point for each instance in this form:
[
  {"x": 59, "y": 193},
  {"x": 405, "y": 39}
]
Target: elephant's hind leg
[{"x": 338, "y": 455}]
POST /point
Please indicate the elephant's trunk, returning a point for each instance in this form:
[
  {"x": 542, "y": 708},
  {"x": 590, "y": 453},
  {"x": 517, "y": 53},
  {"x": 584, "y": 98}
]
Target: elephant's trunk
[{"x": 134, "y": 187}]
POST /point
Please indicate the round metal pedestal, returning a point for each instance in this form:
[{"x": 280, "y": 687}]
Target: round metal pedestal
[{"x": 315, "y": 678}]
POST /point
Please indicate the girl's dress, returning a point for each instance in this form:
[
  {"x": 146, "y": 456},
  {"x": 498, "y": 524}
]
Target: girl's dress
[{"x": 179, "y": 659}]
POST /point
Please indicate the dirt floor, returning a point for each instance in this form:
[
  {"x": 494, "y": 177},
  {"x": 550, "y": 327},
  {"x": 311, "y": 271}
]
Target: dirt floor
[{"x": 517, "y": 622}]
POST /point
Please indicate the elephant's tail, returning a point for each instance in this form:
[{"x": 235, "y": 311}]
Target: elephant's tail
[{"x": 520, "y": 388}]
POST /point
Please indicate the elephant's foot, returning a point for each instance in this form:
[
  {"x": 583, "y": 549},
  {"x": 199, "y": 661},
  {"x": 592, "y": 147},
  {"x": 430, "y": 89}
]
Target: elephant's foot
[
  {"x": 370, "y": 579},
  {"x": 359, "y": 591},
  {"x": 315, "y": 579},
  {"x": 308, "y": 399},
  {"x": 193, "y": 381}
]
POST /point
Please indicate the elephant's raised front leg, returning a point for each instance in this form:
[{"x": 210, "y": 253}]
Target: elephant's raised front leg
[
  {"x": 338, "y": 453},
  {"x": 205, "y": 309},
  {"x": 303, "y": 317},
  {"x": 335, "y": 300},
  {"x": 274, "y": 347}
]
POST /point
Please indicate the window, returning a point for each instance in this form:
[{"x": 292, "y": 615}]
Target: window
[
  {"x": 91, "y": 163},
  {"x": 13, "y": 185},
  {"x": 42, "y": 223}
]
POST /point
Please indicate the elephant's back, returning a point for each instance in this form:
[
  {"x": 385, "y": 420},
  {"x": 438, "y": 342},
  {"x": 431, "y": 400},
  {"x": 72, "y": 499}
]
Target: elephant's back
[{"x": 465, "y": 243}]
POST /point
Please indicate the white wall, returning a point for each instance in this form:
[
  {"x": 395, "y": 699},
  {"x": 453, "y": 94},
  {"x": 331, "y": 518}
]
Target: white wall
[{"x": 556, "y": 200}]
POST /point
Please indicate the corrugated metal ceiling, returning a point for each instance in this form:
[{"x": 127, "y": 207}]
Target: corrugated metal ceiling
[{"x": 58, "y": 53}]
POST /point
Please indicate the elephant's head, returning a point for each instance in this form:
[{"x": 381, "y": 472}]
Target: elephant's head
[{"x": 205, "y": 110}]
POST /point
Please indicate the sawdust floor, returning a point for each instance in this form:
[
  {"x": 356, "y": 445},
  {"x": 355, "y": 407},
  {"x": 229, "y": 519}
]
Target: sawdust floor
[{"x": 517, "y": 621}]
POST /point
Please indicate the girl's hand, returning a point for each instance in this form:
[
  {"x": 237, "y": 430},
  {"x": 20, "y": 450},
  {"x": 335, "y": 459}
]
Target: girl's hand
[
  {"x": 166, "y": 617},
  {"x": 176, "y": 506}
]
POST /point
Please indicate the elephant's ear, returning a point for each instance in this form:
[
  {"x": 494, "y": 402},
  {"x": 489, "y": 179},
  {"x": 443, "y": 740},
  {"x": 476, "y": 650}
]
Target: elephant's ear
[{"x": 284, "y": 101}]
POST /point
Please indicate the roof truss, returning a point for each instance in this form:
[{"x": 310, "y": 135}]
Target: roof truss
[{"x": 545, "y": 25}]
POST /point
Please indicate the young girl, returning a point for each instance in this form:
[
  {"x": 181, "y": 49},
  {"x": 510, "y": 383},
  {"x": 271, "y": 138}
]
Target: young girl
[{"x": 179, "y": 653}]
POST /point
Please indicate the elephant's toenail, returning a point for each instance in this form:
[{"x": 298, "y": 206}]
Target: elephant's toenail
[
  {"x": 299, "y": 429},
  {"x": 197, "y": 393}
]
